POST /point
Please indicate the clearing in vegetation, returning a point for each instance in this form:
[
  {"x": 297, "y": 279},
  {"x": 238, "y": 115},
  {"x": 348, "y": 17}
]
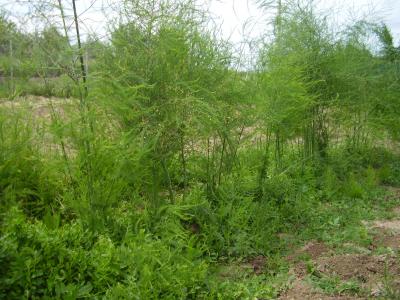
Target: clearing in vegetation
[{"x": 157, "y": 164}]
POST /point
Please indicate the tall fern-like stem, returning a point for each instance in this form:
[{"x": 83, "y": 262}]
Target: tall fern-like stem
[
  {"x": 63, "y": 20},
  {"x": 80, "y": 53},
  {"x": 84, "y": 109}
]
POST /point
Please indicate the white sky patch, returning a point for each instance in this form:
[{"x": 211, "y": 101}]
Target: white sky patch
[
  {"x": 243, "y": 19},
  {"x": 237, "y": 20}
]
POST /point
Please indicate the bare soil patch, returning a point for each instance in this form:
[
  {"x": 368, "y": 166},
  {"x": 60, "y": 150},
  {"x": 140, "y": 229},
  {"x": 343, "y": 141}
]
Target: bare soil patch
[
  {"x": 392, "y": 241},
  {"x": 391, "y": 225},
  {"x": 312, "y": 250},
  {"x": 301, "y": 290},
  {"x": 366, "y": 269},
  {"x": 39, "y": 106},
  {"x": 394, "y": 193},
  {"x": 386, "y": 238},
  {"x": 386, "y": 226},
  {"x": 397, "y": 211},
  {"x": 369, "y": 271},
  {"x": 258, "y": 264}
]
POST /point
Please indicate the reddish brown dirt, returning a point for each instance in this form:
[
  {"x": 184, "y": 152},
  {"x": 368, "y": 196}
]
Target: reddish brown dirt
[
  {"x": 315, "y": 249},
  {"x": 300, "y": 269},
  {"x": 370, "y": 271},
  {"x": 387, "y": 232},
  {"x": 258, "y": 264},
  {"x": 312, "y": 250},
  {"x": 364, "y": 268},
  {"x": 301, "y": 290},
  {"x": 387, "y": 239},
  {"x": 391, "y": 242}
]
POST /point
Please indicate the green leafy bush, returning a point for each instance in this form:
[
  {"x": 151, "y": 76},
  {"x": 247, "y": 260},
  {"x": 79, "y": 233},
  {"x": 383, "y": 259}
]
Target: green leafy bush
[{"x": 69, "y": 262}]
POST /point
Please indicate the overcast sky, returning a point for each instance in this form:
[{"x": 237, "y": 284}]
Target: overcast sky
[
  {"x": 243, "y": 19},
  {"x": 235, "y": 13}
]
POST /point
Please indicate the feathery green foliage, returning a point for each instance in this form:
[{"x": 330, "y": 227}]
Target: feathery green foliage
[{"x": 167, "y": 165}]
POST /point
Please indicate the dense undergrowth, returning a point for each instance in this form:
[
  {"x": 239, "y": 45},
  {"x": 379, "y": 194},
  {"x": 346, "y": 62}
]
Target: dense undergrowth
[{"x": 175, "y": 163}]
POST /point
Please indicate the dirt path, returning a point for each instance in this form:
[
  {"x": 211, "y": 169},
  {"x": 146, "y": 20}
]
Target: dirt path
[
  {"x": 369, "y": 273},
  {"x": 39, "y": 106}
]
